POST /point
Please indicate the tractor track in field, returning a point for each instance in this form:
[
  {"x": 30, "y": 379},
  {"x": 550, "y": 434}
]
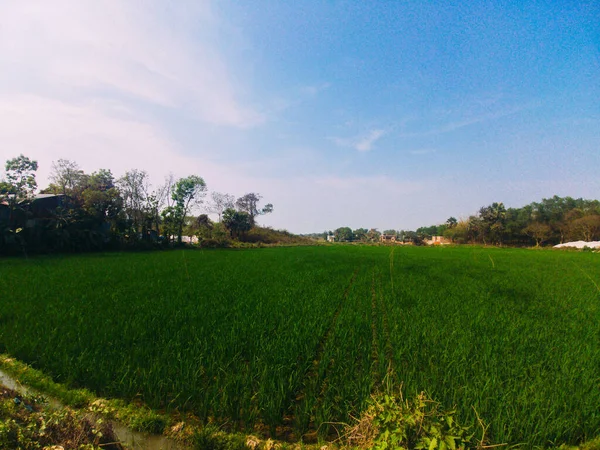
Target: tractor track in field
[
  {"x": 311, "y": 380},
  {"x": 389, "y": 349},
  {"x": 375, "y": 315}
]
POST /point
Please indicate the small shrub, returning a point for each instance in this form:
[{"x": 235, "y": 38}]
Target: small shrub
[
  {"x": 211, "y": 438},
  {"x": 390, "y": 422},
  {"x": 149, "y": 423},
  {"x": 213, "y": 243}
]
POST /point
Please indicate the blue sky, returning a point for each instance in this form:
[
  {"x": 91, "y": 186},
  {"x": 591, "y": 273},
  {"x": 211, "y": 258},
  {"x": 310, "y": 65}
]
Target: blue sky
[{"x": 389, "y": 114}]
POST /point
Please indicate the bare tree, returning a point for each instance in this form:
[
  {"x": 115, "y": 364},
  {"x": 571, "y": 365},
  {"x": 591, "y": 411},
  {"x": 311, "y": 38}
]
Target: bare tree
[
  {"x": 164, "y": 191},
  {"x": 586, "y": 227},
  {"x": 66, "y": 175},
  {"x": 541, "y": 232},
  {"x": 161, "y": 199},
  {"x": 249, "y": 204},
  {"x": 219, "y": 203},
  {"x": 135, "y": 187}
]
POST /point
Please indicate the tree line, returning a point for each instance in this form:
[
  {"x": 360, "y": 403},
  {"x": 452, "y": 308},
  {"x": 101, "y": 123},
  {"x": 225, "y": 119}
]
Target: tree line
[
  {"x": 81, "y": 212},
  {"x": 552, "y": 221}
]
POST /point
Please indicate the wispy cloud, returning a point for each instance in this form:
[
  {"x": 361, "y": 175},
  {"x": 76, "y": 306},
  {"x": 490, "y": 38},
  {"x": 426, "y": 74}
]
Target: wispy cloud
[
  {"x": 294, "y": 97},
  {"x": 470, "y": 120},
  {"x": 376, "y": 182},
  {"x": 579, "y": 121},
  {"x": 362, "y": 143},
  {"x": 314, "y": 89},
  {"x": 366, "y": 143},
  {"x": 422, "y": 151}
]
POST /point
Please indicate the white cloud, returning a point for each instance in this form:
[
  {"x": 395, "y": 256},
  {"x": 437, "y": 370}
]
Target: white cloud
[
  {"x": 363, "y": 143},
  {"x": 130, "y": 50},
  {"x": 47, "y": 130}
]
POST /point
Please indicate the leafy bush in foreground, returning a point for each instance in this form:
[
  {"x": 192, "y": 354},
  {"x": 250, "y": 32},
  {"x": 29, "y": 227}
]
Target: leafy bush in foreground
[{"x": 389, "y": 422}]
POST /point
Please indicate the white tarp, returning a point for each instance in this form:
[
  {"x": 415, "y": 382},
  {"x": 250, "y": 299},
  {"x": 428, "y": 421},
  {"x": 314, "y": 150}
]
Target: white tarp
[{"x": 579, "y": 244}]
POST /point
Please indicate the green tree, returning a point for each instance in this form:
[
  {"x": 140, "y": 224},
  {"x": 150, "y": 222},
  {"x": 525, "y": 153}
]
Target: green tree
[
  {"x": 237, "y": 222},
  {"x": 203, "y": 226},
  {"x": 433, "y": 230},
  {"x": 5, "y": 189},
  {"x": 170, "y": 222},
  {"x": 187, "y": 192},
  {"x": 101, "y": 198},
  {"x": 373, "y": 235},
  {"x": 360, "y": 234},
  {"x": 20, "y": 177},
  {"x": 343, "y": 234},
  {"x": 494, "y": 219},
  {"x": 451, "y": 222},
  {"x": 475, "y": 229},
  {"x": 19, "y": 185},
  {"x": 459, "y": 233}
]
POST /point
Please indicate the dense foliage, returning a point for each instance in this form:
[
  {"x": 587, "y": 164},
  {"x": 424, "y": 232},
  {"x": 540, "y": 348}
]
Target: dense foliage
[
  {"x": 82, "y": 212},
  {"x": 552, "y": 221},
  {"x": 288, "y": 341}
]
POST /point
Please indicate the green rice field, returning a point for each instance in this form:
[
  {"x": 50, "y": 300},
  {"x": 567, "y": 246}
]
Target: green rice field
[{"x": 297, "y": 338}]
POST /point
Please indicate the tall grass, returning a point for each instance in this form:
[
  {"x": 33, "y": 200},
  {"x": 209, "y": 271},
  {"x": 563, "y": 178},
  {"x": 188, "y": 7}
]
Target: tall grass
[{"x": 265, "y": 338}]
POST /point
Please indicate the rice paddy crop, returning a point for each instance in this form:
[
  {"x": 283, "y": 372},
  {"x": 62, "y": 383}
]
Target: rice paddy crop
[{"x": 291, "y": 340}]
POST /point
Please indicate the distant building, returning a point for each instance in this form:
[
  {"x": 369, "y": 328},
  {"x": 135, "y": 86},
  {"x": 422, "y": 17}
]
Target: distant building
[
  {"x": 44, "y": 206},
  {"x": 388, "y": 238},
  {"x": 438, "y": 240},
  {"x": 330, "y": 238}
]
